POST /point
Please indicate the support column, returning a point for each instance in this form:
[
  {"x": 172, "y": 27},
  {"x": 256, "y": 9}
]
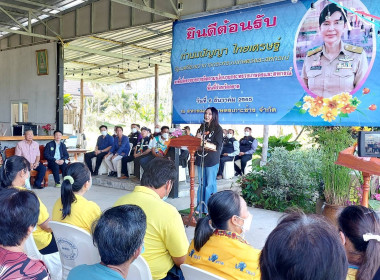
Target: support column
[
  {"x": 81, "y": 107},
  {"x": 264, "y": 154},
  {"x": 156, "y": 96},
  {"x": 60, "y": 78}
]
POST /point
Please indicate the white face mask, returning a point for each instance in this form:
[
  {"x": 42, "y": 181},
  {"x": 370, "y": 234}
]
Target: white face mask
[
  {"x": 165, "y": 135},
  {"x": 148, "y": 135},
  {"x": 246, "y": 133},
  {"x": 104, "y": 132},
  {"x": 247, "y": 223},
  {"x": 157, "y": 130},
  {"x": 229, "y": 135},
  {"x": 167, "y": 194},
  {"x": 134, "y": 130}
]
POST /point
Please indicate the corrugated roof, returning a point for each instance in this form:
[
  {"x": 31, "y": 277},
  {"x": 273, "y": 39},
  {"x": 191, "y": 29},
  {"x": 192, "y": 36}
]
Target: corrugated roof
[{"x": 73, "y": 88}]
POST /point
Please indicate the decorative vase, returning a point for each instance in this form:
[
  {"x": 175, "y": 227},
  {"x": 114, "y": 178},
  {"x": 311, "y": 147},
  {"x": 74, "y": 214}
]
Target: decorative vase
[{"x": 332, "y": 212}]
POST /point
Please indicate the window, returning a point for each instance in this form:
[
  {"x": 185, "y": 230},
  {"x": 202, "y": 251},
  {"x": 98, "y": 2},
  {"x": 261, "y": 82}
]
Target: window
[{"x": 19, "y": 112}]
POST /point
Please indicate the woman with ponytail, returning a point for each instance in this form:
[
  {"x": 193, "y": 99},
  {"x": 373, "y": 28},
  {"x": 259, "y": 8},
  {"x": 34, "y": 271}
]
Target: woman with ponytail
[
  {"x": 14, "y": 173},
  {"x": 218, "y": 245},
  {"x": 72, "y": 208},
  {"x": 360, "y": 233}
]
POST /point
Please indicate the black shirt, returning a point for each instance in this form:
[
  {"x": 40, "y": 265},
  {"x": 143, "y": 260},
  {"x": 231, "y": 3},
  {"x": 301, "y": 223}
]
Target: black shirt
[{"x": 214, "y": 135}]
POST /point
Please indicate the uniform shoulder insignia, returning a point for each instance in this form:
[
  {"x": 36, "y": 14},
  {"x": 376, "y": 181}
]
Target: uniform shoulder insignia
[
  {"x": 314, "y": 51},
  {"x": 353, "y": 49}
]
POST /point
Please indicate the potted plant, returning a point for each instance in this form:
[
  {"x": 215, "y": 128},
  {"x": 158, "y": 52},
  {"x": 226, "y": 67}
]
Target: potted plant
[{"x": 336, "y": 179}]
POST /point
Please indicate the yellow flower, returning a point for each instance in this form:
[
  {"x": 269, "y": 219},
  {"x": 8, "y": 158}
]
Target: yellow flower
[
  {"x": 344, "y": 97},
  {"x": 308, "y": 99},
  {"x": 315, "y": 111},
  {"x": 366, "y": 128},
  {"x": 356, "y": 128},
  {"x": 330, "y": 115}
]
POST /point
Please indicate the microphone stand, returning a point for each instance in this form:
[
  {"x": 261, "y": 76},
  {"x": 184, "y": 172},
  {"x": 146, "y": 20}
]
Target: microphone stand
[{"x": 201, "y": 185}]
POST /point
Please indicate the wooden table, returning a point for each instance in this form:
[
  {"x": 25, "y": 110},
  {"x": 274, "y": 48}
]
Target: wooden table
[{"x": 76, "y": 152}]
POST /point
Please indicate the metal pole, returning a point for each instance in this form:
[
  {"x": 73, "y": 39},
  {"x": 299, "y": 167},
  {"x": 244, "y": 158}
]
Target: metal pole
[
  {"x": 156, "y": 95},
  {"x": 264, "y": 155},
  {"x": 60, "y": 78},
  {"x": 81, "y": 107}
]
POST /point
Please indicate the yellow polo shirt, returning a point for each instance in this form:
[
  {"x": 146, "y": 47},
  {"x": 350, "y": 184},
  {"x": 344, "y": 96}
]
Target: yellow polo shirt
[
  {"x": 227, "y": 255},
  {"x": 351, "y": 275},
  {"x": 41, "y": 238},
  {"x": 165, "y": 234},
  {"x": 83, "y": 213}
]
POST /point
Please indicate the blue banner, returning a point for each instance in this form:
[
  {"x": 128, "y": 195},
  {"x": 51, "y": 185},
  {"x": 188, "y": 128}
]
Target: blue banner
[{"x": 280, "y": 64}]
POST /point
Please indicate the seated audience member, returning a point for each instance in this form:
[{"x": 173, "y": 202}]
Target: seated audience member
[
  {"x": 103, "y": 145},
  {"x": 134, "y": 138},
  {"x": 142, "y": 150},
  {"x": 225, "y": 132},
  {"x": 248, "y": 146},
  {"x": 57, "y": 156},
  {"x": 165, "y": 239},
  {"x": 72, "y": 208},
  {"x": 159, "y": 146},
  {"x": 218, "y": 239},
  {"x": 19, "y": 215},
  {"x": 157, "y": 130},
  {"x": 184, "y": 155},
  {"x": 303, "y": 247},
  {"x": 30, "y": 150},
  {"x": 118, "y": 235},
  {"x": 229, "y": 151},
  {"x": 360, "y": 233},
  {"x": 119, "y": 149},
  {"x": 14, "y": 173}
]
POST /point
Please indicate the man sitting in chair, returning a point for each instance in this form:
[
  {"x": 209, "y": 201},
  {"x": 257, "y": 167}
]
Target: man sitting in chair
[
  {"x": 30, "y": 150},
  {"x": 229, "y": 151},
  {"x": 127, "y": 223},
  {"x": 248, "y": 146},
  {"x": 57, "y": 156},
  {"x": 103, "y": 145}
]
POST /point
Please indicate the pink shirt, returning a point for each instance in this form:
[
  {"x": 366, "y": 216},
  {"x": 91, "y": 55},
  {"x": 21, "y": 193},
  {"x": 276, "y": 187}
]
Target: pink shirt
[{"x": 28, "y": 151}]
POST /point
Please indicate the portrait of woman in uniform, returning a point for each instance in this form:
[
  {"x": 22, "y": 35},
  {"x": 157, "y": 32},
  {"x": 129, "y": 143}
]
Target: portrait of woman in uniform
[{"x": 334, "y": 56}]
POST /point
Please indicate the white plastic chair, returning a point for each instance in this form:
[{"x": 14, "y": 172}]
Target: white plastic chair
[
  {"x": 229, "y": 170},
  {"x": 181, "y": 174},
  {"x": 139, "y": 270},
  {"x": 52, "y": 261},
  {"x": 194, "y": 273},
  {"x": 118, "y": 169},
  {"x": 103, "y": 169},
  {"x": 75, "y": 246},
  {"x": 248, "y": 166}
]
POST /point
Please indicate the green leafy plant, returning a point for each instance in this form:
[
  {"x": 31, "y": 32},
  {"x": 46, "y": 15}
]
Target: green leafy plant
[
  {"x": 273, "y": 142},
  {"x": 251, "y": 184},
  {"x": 336, "y": 178}
]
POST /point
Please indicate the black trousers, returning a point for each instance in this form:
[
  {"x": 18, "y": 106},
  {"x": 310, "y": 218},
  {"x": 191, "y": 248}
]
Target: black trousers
[
  {"x": 124, "y": 164},
  {"x": 88, "y": 157},
  {"x": 223, "y": 160},
  {"x": 244, "y": 159},
  {"x": 137, "y": 164},
  {"x": 41, "y": 169},
  {"x": 55, "y": 168}
]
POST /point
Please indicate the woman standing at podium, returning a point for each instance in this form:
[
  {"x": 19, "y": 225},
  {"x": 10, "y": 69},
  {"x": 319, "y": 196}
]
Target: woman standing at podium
[{"x": 212, "y": 133}]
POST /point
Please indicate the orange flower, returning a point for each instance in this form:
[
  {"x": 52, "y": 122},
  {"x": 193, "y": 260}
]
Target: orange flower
[
  {"x": 347, "y": 109},
  {"x": 331, "y": 103},
  {"x": 314, "y": 111},
  {"x": 318, "y": 101},
  {"x": 344, "y": 97},
  {"x": 330, "y": 115}
]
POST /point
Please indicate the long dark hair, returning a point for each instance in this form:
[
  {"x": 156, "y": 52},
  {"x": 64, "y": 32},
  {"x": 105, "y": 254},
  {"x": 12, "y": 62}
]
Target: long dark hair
[
  {"x": 354, "y": 222},
  {"x": 221, "y": 207},
  {"x": 81, "y": 174},
  {"x": 215, "y": 119},
  {"x": 10, "y": 168}
]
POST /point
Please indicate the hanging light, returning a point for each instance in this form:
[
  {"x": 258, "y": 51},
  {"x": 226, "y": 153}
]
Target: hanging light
[
  {"x": 128, "y": 86},
  {"x": 149, "y": 63},
  {"x": 121, "y": 74}
]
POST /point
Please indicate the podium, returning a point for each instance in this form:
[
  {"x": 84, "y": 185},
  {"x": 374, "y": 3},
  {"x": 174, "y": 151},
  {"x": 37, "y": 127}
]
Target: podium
[
  {"x": 367, "y": 165},
  {"x": 192, "y": 144}
]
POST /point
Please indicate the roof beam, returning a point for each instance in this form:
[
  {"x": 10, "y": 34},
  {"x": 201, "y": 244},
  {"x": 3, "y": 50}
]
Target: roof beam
[
  {"x": 39, "y": 4},
  {"x": 15, "y": 20},
  {"x": 146, "y": 9},
  {"x": 28, "y": 34},
  {"x": 115, "y": 55},
  {"x": 27, "y": 9}
]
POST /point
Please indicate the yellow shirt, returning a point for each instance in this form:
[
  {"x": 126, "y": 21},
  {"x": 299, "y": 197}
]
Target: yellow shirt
[
  {"x": 165, "y": 234},
  {"x": 41, "y": 238},
  {"x": 83, "y": 213},
  {"x": 227, "y": 255},
  {"x": 351, "y": 273}
]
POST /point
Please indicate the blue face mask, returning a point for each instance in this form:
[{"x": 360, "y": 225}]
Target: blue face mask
[{"x": 143, "y": 249}]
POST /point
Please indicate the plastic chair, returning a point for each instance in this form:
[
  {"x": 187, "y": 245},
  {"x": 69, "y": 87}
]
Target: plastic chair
[
  {"x": 248, "y": 167},
  {"x": 229, "y": 170},
  {"x": 118, "y": 168},
  {"x": 139, "y": 270},
  {"x": 52, "y": 261},
  {"x": 75, "y": 246},
  {"x": 181, "y": 174},
  {"x": 194, "y": 273},
  {"x": 103, "y": 169}
]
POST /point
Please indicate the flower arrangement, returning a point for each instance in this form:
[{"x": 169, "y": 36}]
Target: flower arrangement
[
  {"x": 176, "y": 133},
  {"x": 46, "y": 128},
  {"x": 329, "y": 108}
]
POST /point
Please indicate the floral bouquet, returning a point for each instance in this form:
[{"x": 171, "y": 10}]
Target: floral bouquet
[
  {"x": 47, "y": 128},
  {"x": 176, "y": 133}
]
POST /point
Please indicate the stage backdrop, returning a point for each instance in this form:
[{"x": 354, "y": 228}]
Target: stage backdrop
[{"x": 264, "y": 65}]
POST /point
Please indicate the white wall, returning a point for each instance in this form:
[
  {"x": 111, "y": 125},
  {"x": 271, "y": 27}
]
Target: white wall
[{"x": 19, "y": 82}]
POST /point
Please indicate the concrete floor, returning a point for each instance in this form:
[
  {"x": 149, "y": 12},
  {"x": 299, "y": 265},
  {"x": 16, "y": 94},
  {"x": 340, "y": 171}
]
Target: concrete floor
[{"x": 263, "y": 221}]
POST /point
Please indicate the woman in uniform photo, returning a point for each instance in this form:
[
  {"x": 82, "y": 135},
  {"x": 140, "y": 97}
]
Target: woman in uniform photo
[{"x": 334, "y": 67}]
